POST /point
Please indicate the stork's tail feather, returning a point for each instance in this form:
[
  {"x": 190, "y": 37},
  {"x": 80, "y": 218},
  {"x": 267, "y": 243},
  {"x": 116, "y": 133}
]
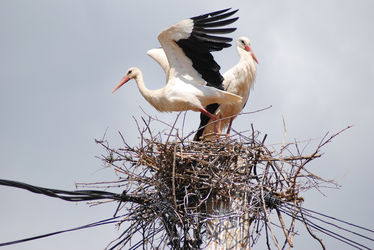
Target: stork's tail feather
[
  {"x": 229, "y": 98},
  {"x": 204, "y": 120}
]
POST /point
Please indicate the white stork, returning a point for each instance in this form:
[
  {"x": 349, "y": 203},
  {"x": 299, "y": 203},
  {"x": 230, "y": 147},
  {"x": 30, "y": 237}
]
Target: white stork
[
  {"x": 193, "y": 78},
  {"x": 238, "y": 80}
]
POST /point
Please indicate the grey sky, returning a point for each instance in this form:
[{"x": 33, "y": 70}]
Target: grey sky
[{"x": 59, "y": 61}]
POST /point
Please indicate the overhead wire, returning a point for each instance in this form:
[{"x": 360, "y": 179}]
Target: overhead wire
[
  {"x": 94, "y": 224},
  {"x": 271, "y": 202}
]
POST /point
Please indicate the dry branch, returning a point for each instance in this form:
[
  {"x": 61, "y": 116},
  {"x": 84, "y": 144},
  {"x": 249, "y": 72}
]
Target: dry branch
[{"x": 185, "y": 186}]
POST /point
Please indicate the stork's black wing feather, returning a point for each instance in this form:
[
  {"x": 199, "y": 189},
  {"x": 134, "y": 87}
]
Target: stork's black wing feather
[
  {"x": 198, "y": 47},
  {"x": 214, "y": 31},
  {"x": 205, "y": 16}
]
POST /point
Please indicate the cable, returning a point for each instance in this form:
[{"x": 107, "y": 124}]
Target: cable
[
  {"x": 95, "y": 224},
  {"x": 74, "y": 196},
  {"x": 271, "y": 202},
  {"x": 325, "y": 231},
  {"x": 78, "y": 195},
  {"x": 333, "y": 218}
]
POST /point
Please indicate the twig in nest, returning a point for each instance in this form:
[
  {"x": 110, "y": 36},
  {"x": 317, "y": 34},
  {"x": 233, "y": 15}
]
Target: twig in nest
[{"x": 191, "y": 185}]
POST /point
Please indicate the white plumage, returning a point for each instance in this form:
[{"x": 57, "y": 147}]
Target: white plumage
[
  {"x": 193, "y": 78},
  {"x": 237, "y": 80}
]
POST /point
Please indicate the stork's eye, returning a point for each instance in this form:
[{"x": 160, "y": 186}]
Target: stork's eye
[
  {"x": 243, "y": 42},
  {"x": 129, "y": 72}
]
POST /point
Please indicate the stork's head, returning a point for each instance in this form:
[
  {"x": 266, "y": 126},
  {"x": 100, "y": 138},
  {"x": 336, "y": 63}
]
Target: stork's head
[
  {"x": 244, "y": 43},
  {"x": 130, "y": 74}
]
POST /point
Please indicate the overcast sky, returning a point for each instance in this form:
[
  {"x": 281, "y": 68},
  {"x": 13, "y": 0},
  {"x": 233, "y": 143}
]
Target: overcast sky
[{"x": 59, "y": 61}]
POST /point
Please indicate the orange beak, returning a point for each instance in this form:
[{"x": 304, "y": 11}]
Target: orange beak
[
  {"x": 247, "y": 48},
  {"x": 123, "y": 81}
]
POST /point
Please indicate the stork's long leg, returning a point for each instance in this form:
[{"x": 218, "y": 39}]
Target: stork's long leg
[
  {"x": 211, "y": 116},
  {"x": 229, "y": 128},
  {"x": 219, "y": 130}
]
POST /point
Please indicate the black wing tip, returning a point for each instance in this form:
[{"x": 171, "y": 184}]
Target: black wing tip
[
  {"x": 232, "y": 12},
  {"x": 210, "y": 14},
  {"x": 203, "y": 30},
  {"x": 220, "y": 23},
  {"x": 208, "y": 23},
  {"x": 219, "y": 12},
  {"x": 215, "y": 13},
  {"x": 199, "y": 44}
]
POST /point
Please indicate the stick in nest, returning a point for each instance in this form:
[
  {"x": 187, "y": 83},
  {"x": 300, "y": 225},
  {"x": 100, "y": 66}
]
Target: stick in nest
[{"x": 189, "y": 186}]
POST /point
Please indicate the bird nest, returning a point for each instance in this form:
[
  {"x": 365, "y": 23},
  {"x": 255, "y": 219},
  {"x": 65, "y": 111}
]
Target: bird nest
[{"x": 221, "y": 193}]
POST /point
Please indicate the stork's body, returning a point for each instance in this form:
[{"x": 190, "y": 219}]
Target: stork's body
[
  {"x": 238, "y": 80},
  {"x": 193, "y": 78},
  {"x": 179, "y": 95}
]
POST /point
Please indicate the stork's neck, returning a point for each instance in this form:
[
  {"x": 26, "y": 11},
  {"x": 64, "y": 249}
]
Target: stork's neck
[
  {"x": 141, "y": 86},
  {"x": 246, "y": 62},
  {"x": 152, "y": 96},
  {"x": 246, "y": 56}
]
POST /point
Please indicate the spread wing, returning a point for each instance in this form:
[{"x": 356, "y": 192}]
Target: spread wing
[
  {"x": 188, "y": 45},
  {"x": 159, "y": 56}
]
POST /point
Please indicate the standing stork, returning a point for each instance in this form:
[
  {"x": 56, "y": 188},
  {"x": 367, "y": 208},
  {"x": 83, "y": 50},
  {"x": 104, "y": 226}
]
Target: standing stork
[
  {"x": 237, "y": 80},
  {"x": 193, "y": 77}
]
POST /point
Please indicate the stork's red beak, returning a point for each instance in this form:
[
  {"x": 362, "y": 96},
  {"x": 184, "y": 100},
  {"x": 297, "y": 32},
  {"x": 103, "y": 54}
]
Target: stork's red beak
[
  {"x": 247, "y": 48},
  {"x": 123, "y": 81}
]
